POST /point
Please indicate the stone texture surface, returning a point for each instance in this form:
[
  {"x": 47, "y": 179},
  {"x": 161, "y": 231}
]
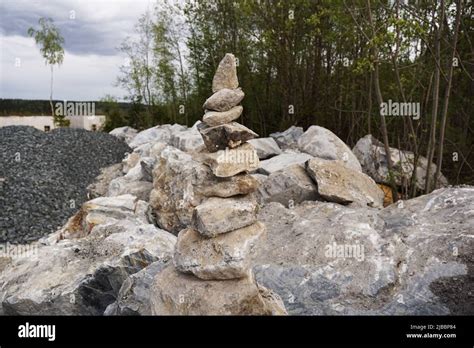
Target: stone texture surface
[
  {"x": 224, "y": 136},
  {"x": 177, "y": 175},
  {"x": 215, "y": 118},
  {"x": 337, "y": 183},
  {"x": 224, "y": 100},
  {"x": 226, "y": 74},
  {"x": 322, "y": 143},
  {"x": 101, "y": 184},
  {"x": 124, "y": 133},
  {"x": 266, "y": 147},
  {"x": 229, "y": 162},
  {"x": 283, "y": 161},
  {"x": 226, "y": 256},
  {"x": 70, "y": 275},
  {"x": 416, "y": 257},
  {"x": 175, "y": 293},
  {"x": 220, "y": 215},
  {"x": 288, "y": 186},
  {"x": 372, "y": 156},
  {"x": 240, "y": 184},
  {"x": 289, "y": 138}
]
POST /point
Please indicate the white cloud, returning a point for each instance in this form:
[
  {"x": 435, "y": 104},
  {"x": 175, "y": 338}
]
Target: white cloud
[{"x": 80, "y": 77}]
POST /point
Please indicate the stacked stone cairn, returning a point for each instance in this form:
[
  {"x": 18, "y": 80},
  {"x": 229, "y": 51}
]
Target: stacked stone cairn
[{"x": 211, "y": 271}]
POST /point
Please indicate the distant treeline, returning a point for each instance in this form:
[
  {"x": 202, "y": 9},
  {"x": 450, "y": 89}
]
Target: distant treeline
[{"x": 27, "y": 107}]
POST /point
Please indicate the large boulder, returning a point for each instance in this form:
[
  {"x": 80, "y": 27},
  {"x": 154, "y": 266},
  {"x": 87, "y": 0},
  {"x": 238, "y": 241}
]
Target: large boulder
[
  {"x": 372, "y": 156},
  {"x": 413, "y": 258},
  {"x": 74, "y": 275},
  {"x": 340, "y": 184},
  {"x": 176, "y": 293},
  {"x": 177, "y": 177},
  {"x": 288, "y": 186},
  {"x": 154, "y": 134},
  {"x": 322, "y": 143}
]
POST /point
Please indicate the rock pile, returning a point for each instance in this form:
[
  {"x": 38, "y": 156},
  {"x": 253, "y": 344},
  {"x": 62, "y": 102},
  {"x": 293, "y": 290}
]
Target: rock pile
[
  {"x": 224, "y": 230},
  {"x": 45, "y": 176}
]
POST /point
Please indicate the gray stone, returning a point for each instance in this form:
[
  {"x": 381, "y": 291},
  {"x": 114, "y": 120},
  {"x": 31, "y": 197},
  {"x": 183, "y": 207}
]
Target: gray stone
[
  {"x": 229, "y": 162},
  {"x": 100, "y": 186},
  {"x": 221, "y": 215},
  {"x": 227, "y": 256},
  {"x": 288, "y": 186},
  {"x": 414, "y": 258},
  {"x": 134, "y": 295},
  {"x": 340, "y": 184},
  {"x": 226, "y": 74},
  {"x": 240, "y": 184},
  {"x": 124, "y": 133},
  {"x": 322, "y": 143},
  {"x": 82, "y": 276},
  {"x": 177, "y": 175},
  {"x": 266, "y": 147},
  {"x": 372, "y": 156},
  {"x": 175, "y": 293},
  {"x": 289, "y": 138},
  {"x": 282, "y": 161},
  {"x": 224, "y": 136},
  {"x": 224, "y": 100},
  {"x": 216, "y": 118}
]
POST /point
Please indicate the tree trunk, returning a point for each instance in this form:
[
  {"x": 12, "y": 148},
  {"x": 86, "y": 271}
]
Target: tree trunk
[
  {"x": 434, "y": 111},
  {"x": 446, "y": 95}
]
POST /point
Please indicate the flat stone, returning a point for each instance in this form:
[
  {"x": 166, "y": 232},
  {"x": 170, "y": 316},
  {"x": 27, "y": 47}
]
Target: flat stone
[
  {"x": 226, "y": 74},
  {"x": 224, "y": 100},
  {"x": 221, "y": 215},
  {"x": 340, "y": 184},
  {"x": 282, "y": 161},
  {"x": 176, "y": 293},
  {"x": 215, "y": 118},
  {"x": 227, "y": 256},
  {"x": 229, "y": 162},
  {"x": 240, "y": 184},
  {"x": 228, "y": 135}
]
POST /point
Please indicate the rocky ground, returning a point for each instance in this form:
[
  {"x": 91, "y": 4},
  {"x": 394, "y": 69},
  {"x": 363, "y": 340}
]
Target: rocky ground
[
  {"x": 44, "y": 176},
  {"x": 330, "y": 247}
]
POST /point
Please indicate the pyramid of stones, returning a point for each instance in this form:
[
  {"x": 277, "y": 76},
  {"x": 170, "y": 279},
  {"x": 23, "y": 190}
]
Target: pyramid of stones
[
  {"x": 211, "y": 271},
  {"x": 224, "y": 231}
]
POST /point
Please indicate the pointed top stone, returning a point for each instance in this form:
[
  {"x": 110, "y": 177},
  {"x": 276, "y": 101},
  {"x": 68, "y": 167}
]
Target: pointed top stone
[{"x": 226, "y": 74}]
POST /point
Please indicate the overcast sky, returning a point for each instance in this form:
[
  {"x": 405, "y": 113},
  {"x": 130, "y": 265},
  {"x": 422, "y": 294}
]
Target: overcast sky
[{"x": 91, "y": 61}]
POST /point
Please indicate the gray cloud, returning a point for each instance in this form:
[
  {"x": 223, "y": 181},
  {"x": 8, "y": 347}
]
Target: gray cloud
[{"x": 98, "y": 27}]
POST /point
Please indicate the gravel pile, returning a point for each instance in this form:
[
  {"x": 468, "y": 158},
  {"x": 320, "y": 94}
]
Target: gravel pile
[{"x": 44, "y": 176}]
